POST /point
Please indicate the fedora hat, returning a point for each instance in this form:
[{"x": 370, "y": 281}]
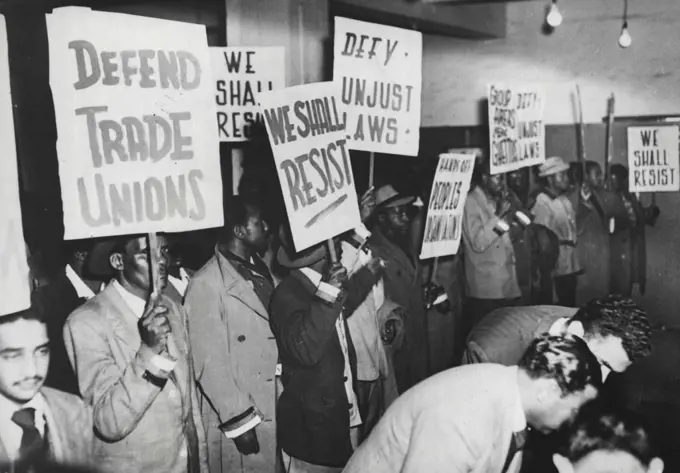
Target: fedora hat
[
  {"x": 551, "y": 166},
  {"x": 291, "y": 259},
  {"x": 387, "y": 196}
]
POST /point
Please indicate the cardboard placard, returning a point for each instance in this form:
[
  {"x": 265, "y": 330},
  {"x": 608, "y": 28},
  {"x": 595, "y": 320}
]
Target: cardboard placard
[
  {"x": 14, "y": 274},
  {"x": 135, "y": 111},
  {"x": 379, "y": 71},
  {"x": 653, "y": 159},
  {"x": 240, "y": 75},
  {"x": 444, "y": 224},
  {"x": 309, "y": 142},
  {"x": 516, "y": 127}
]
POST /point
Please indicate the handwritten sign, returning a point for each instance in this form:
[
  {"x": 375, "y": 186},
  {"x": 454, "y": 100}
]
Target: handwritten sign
[
  {"x": 309, "y": 142},
  {"x": 240, "y": 75},
  {"x": 135, "y": 110},
  {"x": 444, "y": 222},
  {"x": 653, "y": 159},
  {"x": 379, "y": 69},
  {"x": 516, "y": 128},
  {"x": 14, "y": 275}
]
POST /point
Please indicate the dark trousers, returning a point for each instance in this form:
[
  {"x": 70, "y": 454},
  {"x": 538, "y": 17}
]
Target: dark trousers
[
  {"x": 371, "y": 406},
  {"x": 565, "y": 288}
]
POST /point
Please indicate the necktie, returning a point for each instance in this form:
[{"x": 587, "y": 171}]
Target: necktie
[
  {"x": 517, "y": 443},
  {"x": 32, "y": 449}
]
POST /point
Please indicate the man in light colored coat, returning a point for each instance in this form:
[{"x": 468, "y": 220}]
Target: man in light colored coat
[
  {"x": 474, "y": 418},
  {"x": 130, "y": 350},
  {"x": 39, "y": 426},
  {"x": 235, "y": 353}
]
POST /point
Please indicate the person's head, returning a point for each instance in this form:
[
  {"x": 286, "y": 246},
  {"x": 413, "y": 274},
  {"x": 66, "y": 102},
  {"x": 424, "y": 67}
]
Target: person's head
[
  {"x": 606, "y": 439},
  {"x": 558, "y": 374},
  {"x": 616, "y": 330},
  {"x": 493, "y": 185},
  {"x": 618, "y": 175},
  {"x": 244, "y": 224},
  {"x": 24, "y": 355},
  {"x": 518, "y": 181},
  {"x": 393, "y": 212},
  {"x": 576, "y": 174},
  {"x": 594, "y": 177},
  {"x": 315, "y": 257},
  {"x": 555, "y": 173}
]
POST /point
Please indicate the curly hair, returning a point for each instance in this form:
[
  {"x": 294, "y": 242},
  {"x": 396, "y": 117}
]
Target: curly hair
[
  {"x": 619, "y": 317},
  {"x": 605, "y": 427},
  {"x": 565, "y": 359}
]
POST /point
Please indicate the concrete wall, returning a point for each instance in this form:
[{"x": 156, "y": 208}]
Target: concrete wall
[{"x": 583, "y": 49}]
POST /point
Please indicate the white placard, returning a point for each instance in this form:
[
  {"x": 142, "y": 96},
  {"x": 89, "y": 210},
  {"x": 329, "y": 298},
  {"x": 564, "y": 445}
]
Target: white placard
[
  {"x": 14, "y": 274},
  {"x": 516, "y": 127},
  {"x": 653, "y": 159},
  {"x": 379, "y": 71},
  {"x": 444, "y": 224},
  {"x": 240, "y": 75},
  {"x": 135, "y": 110},
  {"x": 307, "y": 136}
]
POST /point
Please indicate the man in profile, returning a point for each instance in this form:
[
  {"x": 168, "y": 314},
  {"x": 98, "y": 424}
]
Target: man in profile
[
  {"x": 474, "y": 418},
  {"x": 605, "y": 439}
]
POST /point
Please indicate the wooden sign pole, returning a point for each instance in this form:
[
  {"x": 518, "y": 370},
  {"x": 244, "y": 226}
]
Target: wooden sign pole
[
  {"x": 154, "y": 258},
  {"x": 371, "y": 169},
  {"x": 331, "y": 251}
]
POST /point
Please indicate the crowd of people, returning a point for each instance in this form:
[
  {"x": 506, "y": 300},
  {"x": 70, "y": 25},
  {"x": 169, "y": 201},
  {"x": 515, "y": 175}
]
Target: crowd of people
[{"x": 262, "y": 358}]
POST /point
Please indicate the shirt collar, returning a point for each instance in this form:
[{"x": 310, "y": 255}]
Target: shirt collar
[
  {"x": 78, "y": 284},
  {"x": 562, "y": 326},
  {"x": 136, "y": 304},
  {"x": 38, "y": 403}
]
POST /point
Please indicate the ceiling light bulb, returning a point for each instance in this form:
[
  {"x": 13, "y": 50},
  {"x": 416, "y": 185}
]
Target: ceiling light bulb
[
  {"x": 625, "y": 40},
  {"x": 554, "y": 17}
]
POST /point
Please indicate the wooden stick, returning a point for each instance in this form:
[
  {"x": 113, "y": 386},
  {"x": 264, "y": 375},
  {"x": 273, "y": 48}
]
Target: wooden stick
[
  {"x": 582, "y": 136},
  {"x": 331, "y": 251},
  {"x": 435, "y": 267},
  {"x": 610, "y": 139},
  {"x": 154, "y": 258},
  {"x": 371, "y": 169}
]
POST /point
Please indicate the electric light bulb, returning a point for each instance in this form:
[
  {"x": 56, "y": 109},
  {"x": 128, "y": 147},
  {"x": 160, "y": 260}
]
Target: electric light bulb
[
  {"x": 554, "y": 17},
  {"x": 625, "y": 40}
]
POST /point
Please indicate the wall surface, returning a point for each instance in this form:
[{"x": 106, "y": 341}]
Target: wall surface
[{"x": 583, "y": 50}]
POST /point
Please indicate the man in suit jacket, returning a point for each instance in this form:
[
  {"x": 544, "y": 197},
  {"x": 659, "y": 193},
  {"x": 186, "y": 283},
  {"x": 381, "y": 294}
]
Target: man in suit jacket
[
  {"x": 130, "y": 350},
  {"x": 308, "y": 314},
  {"x": 472, "y": 418},
  {"x": 234, "y": 350},
  {"x": 616, "y": 330},
  {"x": 39, "y": 427}
]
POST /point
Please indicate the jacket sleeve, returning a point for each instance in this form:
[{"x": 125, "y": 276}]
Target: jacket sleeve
[
  {"x": 480, "y": 235},
  {"x": 474, "y": 354},
  {"x": 303, "y": 328},
  {"x": 213, "y": 361},
  {"x": 542, "y": 214},
  {"x": 119, "y": 397},
  {"x": 358, "y": 287}
]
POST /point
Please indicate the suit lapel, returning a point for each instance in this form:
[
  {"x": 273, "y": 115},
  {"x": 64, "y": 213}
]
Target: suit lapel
[
  {"x": 4, "y": 457},
  {"x": 122, "y": 320},
  {"x": 238, "y": 287}
]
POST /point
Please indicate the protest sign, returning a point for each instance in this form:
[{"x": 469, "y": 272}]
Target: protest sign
[
  {"x": 309, "y": 142},
  {"x": 653, "y": 159},
  {"x": 135, "y": 112},
  {"x": 240, "y": 75},
  {"x": 444, "y": 224},
  {"x": 14, "y": 274},
  {"x": 379, "y": 70},
  {"x": 516, "y": 127}
]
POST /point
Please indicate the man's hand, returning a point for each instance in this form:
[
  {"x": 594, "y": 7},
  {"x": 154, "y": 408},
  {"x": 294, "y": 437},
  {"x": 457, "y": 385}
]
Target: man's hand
[
  {"x": 337, "y": 275},
  {"x": 154, "y": 326},
  {"x": 503, "y": 206},
  {"x": 376, "y": 265},
  {"x": 247, "y": 443},
  {"x": 367, "y": 205}
]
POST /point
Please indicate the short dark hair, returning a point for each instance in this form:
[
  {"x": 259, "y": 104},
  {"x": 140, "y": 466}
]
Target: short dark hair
[
  {"x": 237, "y": 210},
  {"x": 619, "y": 317},
  {"x": 590, "y": 165},
  {"x": 27, "y": 314},
  {"x": 565, "y": 359},
  {"x": 620, "y": 171},
  {"x": 607, "y": 427}
]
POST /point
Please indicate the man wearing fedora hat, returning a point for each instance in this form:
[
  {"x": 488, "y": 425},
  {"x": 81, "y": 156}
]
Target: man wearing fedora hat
[
  {"x": 307, "y": 315},
  {"x": 392, "y": 241},
  {"x": 554, "y": 210},
  {"x": 130, "y": 350}
]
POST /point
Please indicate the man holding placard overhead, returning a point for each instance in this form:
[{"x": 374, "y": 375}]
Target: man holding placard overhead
[{"x": 130, "y": 350}]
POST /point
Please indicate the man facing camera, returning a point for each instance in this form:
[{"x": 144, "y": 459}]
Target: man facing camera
[
  {"x": 130, "y": 350},
  {"x": 474, "y": 418},
  {"x": 607, "y": 440},
  {"x": 39, "y": 426}
]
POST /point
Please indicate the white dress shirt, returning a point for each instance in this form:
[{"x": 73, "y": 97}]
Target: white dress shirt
[
  {"x": 11, "y": 433},
  {"x": 182, "y": 282},
  {"x": 82, "y": 289}
]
